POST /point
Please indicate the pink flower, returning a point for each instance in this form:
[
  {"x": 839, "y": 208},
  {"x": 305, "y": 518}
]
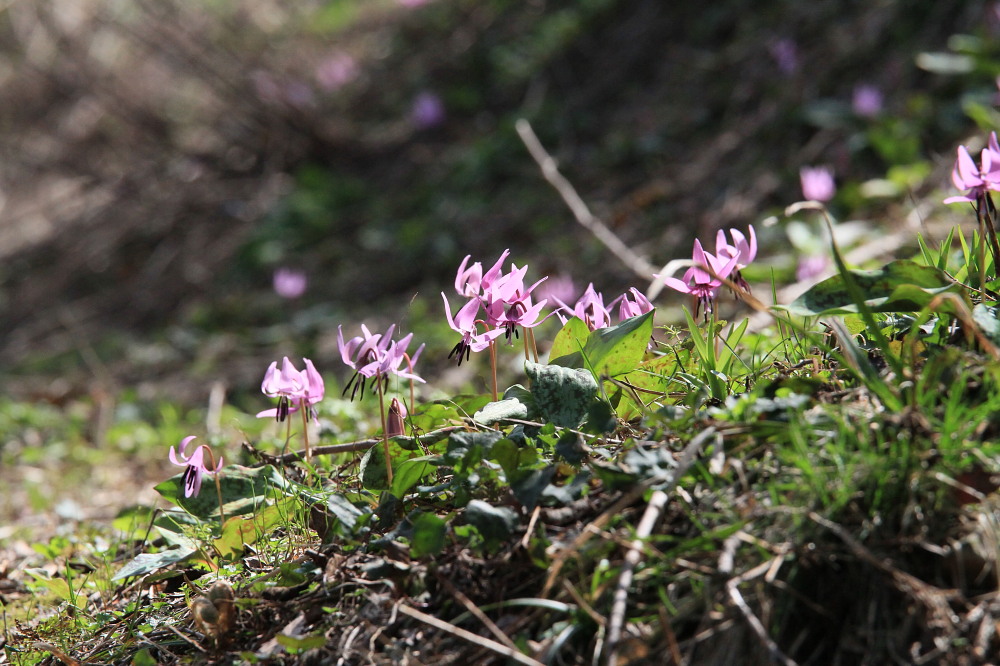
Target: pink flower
[
  {"x": 465, "y": 323},
  {"x": 375, "y": 357},
  {"x": 637, "y": 305},
  {"x": 557, "y": 288},
  {"x": 590, "y": 308},
  {"x": 811, "y": 266},
  {"x": 290, "y": 283},
  {"x": 194, "y": 466},
  {"x": 472, "y": 282},
  {"x": 976, "y": 180},
  {"x": 699, "y": 282},
  {"x": 817, "y": 183},
  {"x": 742, "y": 250},
  {"x": 335, "y": 71},
  {"x": 866, "y": 100},
  {"x": 427, "y": 111},
  {"x": 294, "y": 390},
  {"x": 786, "y": 55}
]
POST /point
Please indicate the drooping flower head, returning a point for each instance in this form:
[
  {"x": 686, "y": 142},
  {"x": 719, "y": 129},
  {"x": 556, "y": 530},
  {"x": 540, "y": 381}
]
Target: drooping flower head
[
  {"x": 632, "y": 304},
  {"x": 508, "y": 303},
  {"x": 376, "y": 356},
  {"x": 294, "y": 390},
  {"x": 698, "y": 281},
  {"x": 977, "y": 180},
  {"x": 472, "y": 282},
  {"x": 589, "y": 308},
  {"x": 194, "y": 466},
  {"x": 743, "y": 250},
  {"x": 465, "y": 322},
  {"x": 395, "y": 420}
]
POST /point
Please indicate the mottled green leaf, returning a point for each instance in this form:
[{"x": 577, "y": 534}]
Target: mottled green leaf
[
  {"x": 987, "y": 317},
  {"x": 148, "y": 562},
  {"x": 243, "y": 490},
  {"x": 562, "y": 395},
  {"x": 900, "y": 286},
  {"x": 508, "y": 408}
]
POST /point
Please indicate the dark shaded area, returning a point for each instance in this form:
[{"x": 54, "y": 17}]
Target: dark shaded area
[{"x": 160, "y": 163}]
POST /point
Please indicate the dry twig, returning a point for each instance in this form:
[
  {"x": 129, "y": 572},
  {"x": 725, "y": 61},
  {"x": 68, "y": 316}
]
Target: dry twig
[
  {"x": 616, "y": 620},
  {"x": 581, "y": 212},
  {"x": 499, "y": 648}
]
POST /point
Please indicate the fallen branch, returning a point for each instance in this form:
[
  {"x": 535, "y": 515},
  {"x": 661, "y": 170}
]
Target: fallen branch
[{"x": 550, "y": 171}]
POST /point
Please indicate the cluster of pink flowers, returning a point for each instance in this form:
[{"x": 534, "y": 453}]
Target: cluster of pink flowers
[
  {"x": 977, "y": 181},
  {"x": 497, "y": 302},
  {"x": 375, "y": 356},
  {"x": 704, "y": 279},
  {"x": 591, "y": 310}
]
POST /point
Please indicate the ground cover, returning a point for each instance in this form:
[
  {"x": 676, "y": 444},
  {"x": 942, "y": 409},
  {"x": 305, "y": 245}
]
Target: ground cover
[{"x": 730, "y": 482}]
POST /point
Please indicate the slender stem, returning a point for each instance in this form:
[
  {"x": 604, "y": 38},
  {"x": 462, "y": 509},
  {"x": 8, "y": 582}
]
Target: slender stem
[
  {"x": 305, "y": 429},
  {"x": 493, "y": 365},
  {"x": 982, "y": 253},
  {"x": 524, "y": 329},
  {"x": 218, "y": 486},
  {"x": 288, "y": 434},
  {"x": 385, "y": 430},
  {"x": 530, "y": 332}
]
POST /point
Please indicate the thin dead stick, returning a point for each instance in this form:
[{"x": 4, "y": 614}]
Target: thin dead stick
[
  {"x": 688, "y": 456},
  {"x": 616, "y": 620},
  {"x": 550, "y": 171},
  {"x": 732, "y": 587},
  {"x": 477, "y": 613},
  {"x": 487, "y": 643}
]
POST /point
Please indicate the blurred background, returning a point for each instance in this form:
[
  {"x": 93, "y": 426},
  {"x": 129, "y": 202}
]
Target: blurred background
[{"x": 189, "y": 190}]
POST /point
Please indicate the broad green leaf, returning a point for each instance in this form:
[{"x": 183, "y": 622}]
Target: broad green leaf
[
  {"x": 494, "y": 523},
  {"x": 409, "y": 472},
  {"x": 429, "y": 531},
  {"x": 148, "y": 562},
  {"x": 614, "y": 350},
  {"x": 562, "y": 395},
  {"x": 570, "y": 339},
  {"x": 243, "y": 490},
  {"x": 372, "y": 468},
  {"x": 240, "y": 531},
  {"x": 901, "y": 286}
]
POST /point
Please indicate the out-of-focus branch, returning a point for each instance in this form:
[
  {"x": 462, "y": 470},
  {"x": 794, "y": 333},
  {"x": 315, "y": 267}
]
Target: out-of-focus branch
[{"x": 550, "y": 171}]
